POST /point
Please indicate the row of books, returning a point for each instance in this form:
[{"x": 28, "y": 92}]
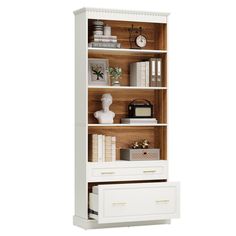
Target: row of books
[
  {"x": 146, "y": 73},
  {"x": 103, "y": 41},
  {"x": 102, "y": 148}
]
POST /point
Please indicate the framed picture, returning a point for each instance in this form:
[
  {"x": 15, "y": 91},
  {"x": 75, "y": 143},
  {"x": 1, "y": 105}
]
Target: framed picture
[{"x": 98, "y": 71}]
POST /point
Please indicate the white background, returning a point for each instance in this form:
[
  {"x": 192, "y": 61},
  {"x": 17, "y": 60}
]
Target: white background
[{"x": 37, "y": 116}]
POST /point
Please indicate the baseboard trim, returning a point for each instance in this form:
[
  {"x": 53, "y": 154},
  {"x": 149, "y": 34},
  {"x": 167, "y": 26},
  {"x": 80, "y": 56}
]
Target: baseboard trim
[{"x": 92, "y": 224}]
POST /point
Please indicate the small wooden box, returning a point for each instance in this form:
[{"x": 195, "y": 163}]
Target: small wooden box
[{"x": 140, "y": 154}]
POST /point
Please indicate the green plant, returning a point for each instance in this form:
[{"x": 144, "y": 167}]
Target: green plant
[{"x": 115, "y": 72}]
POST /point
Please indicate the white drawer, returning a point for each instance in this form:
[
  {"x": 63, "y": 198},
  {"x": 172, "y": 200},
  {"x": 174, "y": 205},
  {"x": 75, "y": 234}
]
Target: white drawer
[
  {"x": 134, "y": 202},
  {"x": 127, "y": 170}
]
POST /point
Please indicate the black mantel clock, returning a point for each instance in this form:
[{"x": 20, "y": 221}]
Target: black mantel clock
[{"x": 137, "y": 39}]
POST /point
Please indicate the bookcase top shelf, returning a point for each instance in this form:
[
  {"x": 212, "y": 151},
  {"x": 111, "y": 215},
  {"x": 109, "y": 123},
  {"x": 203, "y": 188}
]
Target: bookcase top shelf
[
  {"x": 126, "y": 125},
  {"x": 127, "y": 87},
  {"x": 124, "y": 51}
]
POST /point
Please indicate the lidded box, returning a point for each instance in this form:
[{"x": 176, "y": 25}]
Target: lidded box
[{"x": 140, "y": 154}]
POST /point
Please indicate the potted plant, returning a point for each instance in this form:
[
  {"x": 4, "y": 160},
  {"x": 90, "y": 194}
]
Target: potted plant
[{"x": 115, "y": 73}]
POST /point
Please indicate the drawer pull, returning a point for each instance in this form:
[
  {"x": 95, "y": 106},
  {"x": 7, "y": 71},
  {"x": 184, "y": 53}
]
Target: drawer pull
[
  {"x": 149, "y": 171},
  {"x": 119, "y": 203},
  {"x": 164, "y": 201},
  {"x": 108, "y": 173}
]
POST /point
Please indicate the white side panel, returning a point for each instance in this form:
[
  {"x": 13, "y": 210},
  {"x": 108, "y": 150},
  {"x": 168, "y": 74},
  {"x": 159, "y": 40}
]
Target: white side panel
[
  {"x": 137, "y": 202},
  {"x": 81, "y": 196}
]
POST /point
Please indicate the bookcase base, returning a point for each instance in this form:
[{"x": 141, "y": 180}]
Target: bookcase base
[{"x": 92, "y": 224}]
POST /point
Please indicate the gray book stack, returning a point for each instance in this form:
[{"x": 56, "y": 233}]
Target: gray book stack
[{"x": 102, "y": 37}]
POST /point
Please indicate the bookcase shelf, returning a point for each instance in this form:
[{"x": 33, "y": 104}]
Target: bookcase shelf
[
  {"x": 125, "y": 125},
  {"x": 110, "y": 185},
  {"x": 126, "y": 88},
  {"x": 124, "y": 51}
]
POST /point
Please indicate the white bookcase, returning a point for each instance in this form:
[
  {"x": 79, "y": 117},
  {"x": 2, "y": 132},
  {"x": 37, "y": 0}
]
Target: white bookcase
[{"x": 125, "y": 193}]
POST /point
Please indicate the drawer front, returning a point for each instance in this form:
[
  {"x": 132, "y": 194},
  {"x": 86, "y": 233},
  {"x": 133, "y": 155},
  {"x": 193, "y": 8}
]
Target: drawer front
[
  {"x": 149, "y": 170},
  {"x": 137, "y": 202}
]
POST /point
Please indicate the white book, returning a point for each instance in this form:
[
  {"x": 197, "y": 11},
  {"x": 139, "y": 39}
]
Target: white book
[
  {"x": 139, "y": 121},
  {"x": 100, "y": 148},
  {"x": 142, "y": 74},
  {"x": 108, "y": 149},
  {"x": 147, "y": 74},
  {"x": 135, "y": 74},
  {"x": 113, "y": 148},
  {"x": 103, "y": 149}
]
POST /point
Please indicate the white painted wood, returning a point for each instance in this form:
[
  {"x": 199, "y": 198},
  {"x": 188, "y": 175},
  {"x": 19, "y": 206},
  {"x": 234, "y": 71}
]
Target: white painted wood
[
  {"x": 124, "y": 15},
  {"x": 85, "y": 172},
  {"x": 126, "y": 170},
  {"x": 92, "y": 224},
  {"x": 127, "y": 88},
  {"x": 137, "y": 202},
  {"x": 125, "y": 125},
  {"x": 81, "y": 133},
  {"x": 123, "y": 51}
]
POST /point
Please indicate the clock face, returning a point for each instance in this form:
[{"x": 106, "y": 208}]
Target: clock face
[{"x": 141, "y": 41}]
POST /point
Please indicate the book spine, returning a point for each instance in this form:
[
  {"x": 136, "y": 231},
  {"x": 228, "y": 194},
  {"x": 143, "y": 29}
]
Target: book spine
[
  {"x": 104, "y": 45},
  {"x": 106, "y": 40},
  {"x": 103, "y": 148},
  {"x": 133, "y": 80},
  {"x": 152, "y": 72},
  {"x": 100, "y": 148},
  {"x": 113, "y": 148},
  {"x": 138, "y": 74},
  {"x": 94, "y": 147},
  {"x": 147, "y": 74},
  {"x": 158, "y": 72},
  {"x": 108, "y": 154},
  {"x": 142, "y": 74},
  {"x": 103, "y": 37}
]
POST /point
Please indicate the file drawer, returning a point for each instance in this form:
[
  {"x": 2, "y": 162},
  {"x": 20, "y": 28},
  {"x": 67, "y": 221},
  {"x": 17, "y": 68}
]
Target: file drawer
[
  {"x": 127, "y": 170},
  {"x": 134, "y": 202}
]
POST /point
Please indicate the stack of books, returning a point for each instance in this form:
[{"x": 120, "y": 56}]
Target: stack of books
[
  {"x": 102, "y": 148},
  {"x": 103, "y": 41},
  {"x": 146, "y": 73},
  {"x": 143, "y": 121}
]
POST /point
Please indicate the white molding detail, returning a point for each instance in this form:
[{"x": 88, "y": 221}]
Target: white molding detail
[{"x": 120, "y": 11}]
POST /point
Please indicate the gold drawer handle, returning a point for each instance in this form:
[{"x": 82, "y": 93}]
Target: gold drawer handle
[
  {"x": 164, "y": 201},
  {"x": 149, "y": 171},
  {"x": 108, "y": 173},
  {"x": 119, "y": 203}
]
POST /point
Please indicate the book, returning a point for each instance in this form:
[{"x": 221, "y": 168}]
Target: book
[
  {"x": 152, "y": 72},
  {"x": 103, "y": 148},
  {"x": 93, "y": 147},
  {"x": 104, "y": 45},
  {"x": 103, "y": 37},
  {"x": 105, "y": 40},
  {"x": 113, "y": 148},
  {"x": 108, "y": 148},
  {"x": 100, "y": 147},
  {"x": 147, "y": 74},
  {"x": 139, "y": 121},
  {"x": 135, "y": 74},
  {"x": 143, "y": 73},
  {"x": 158, "y": 72}
]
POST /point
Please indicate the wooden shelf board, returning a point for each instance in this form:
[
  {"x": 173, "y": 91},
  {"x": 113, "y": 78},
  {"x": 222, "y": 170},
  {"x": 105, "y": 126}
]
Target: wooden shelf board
[
  {"x": 124, "y": 51},
  {"x": 125, "y": 125},
  {"x": 126, "y": 87}
]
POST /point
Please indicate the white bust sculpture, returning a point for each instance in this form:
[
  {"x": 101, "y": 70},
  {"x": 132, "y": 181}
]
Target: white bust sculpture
[{"x": 105, "y": 116}]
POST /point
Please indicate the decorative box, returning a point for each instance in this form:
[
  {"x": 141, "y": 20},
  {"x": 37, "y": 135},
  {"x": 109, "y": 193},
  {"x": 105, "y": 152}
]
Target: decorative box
[{"x": 140, "y": 154}]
